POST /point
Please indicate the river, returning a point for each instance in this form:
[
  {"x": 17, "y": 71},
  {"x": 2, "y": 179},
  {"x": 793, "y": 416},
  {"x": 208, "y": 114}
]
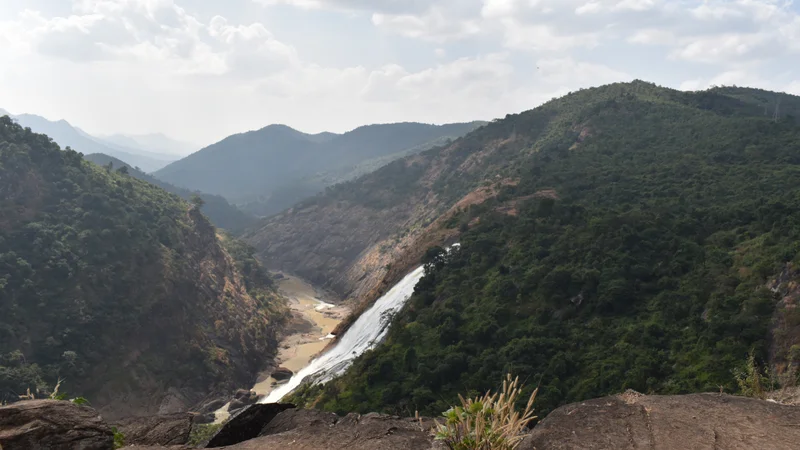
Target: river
[
  {"x": 365, "y": 333},
  {"x": 308, "y": 333}
]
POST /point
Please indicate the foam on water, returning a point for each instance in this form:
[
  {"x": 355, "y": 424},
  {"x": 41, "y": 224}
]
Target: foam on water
[{"x": 363, "y": 335}]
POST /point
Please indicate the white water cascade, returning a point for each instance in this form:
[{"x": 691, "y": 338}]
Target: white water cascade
[{"x": 363, "y": 335}]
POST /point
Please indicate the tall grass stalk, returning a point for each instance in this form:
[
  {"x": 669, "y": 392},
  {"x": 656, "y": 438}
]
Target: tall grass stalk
[{"x": 490, "y": 422}]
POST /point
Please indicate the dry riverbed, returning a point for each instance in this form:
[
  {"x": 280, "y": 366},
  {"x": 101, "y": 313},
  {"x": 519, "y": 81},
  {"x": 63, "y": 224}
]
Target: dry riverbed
[{"x": 307, "y": 335}]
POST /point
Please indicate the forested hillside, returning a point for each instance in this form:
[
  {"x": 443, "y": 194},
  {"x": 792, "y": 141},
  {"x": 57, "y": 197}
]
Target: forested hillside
[
  {"x": 119, "y": 288},
  {"x": 221, "y": 213},
  {"x": 627, "y": 236},
  {"x": 268, "y": 170}
]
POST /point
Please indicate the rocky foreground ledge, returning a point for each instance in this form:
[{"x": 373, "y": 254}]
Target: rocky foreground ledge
[{"x": 627, "y": 421}]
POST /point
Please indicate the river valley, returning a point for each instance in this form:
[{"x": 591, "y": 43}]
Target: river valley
[{"x": 307, "y": 335}]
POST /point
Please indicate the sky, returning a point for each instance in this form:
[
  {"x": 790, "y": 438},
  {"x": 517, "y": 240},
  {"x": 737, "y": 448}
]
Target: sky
[{"x": 199, "y": 70}]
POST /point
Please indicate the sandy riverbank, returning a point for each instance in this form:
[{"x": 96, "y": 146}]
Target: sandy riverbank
[
  {"x": 307, "y": 335},
  {"x": 315, "y": 320}
]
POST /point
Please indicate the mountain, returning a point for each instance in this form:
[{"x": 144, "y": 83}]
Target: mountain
[
  {"x": 68, "y": 136},
  {"x": 272, "y": 168},
  {"x": 221, "y": 213},
  {"x": 627, "y": 236},
  {"x": 120, "y": 289},
  {"x": 155, "y": 142}
]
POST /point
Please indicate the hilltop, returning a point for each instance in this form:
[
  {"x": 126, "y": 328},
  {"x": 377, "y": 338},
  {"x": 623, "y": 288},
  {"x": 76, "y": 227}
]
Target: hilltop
[
  {"x": 268, "y": 170},
  {"x": 66, "y": 135},
  {"x": 627, "y": 236},
  {"x": 122, "y": 290}
]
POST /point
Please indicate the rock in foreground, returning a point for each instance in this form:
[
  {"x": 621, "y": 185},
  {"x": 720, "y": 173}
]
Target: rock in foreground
[
  {"x": 679, "y": 422},
  {"x": 167, "y": 429},
  {"x": 52, "y": 424},
  {"x": 299, "y": 429},
  {"x": 247, "y": 424}
]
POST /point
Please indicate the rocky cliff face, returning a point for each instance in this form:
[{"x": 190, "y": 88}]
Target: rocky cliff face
[
  {"x": 213, "y": 338},
  {"x": 120, "y": 290},
  {"x": 785, "y": 343}
]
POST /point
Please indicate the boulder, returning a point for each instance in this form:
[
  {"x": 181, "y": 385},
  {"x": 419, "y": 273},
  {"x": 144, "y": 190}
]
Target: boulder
[
  {"x": 204, "y": 418},
  {"x": 292, "y": 419},
  {"x": 212, "y": 405},
  {"x": 167, "y": 429},
  {"x": 697, "y": 421},
  {"x": 246, "y": 424},
  {"x": 282, "y": 373},
  {"x": 241, "y": 393},
  {"x": 53, "y": 424},
  {"x": 244, "y": 397},
  {"x": 298, "y": 429},
  {"x": 235, "y": 404}
]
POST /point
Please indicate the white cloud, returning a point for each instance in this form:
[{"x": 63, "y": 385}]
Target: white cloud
[
  {"x": 570, "y": 73},
  {"x": 652, "y": 36},
  {"x": 434, "y": 25},
  {"x": 479, "y": 78},
  {"x": 206, "y": 68},
  {"x": 727, "y": 48}
]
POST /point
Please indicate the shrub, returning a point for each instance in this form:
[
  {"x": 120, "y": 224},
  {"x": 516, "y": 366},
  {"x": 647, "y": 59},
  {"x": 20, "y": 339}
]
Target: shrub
[
  {"x": 490, "y": 422},
  {"x": 752, "y": 380},
  {"x": 202, "y": 433},
  {"x": 119, "y": 438}
]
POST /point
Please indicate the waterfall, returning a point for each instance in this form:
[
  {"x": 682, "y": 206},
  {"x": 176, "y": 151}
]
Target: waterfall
[{"x": 363, "y": 335}]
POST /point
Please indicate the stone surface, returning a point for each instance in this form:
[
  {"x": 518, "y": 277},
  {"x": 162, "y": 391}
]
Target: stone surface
[
  {"x": 698, "y": 422},
  {"x": 53, "y": 424},
  {"x": 235, "y": 405},
  {"x": 168, "y": 429},
  {"x": 282, "y": 373},
  {"x": 297, "y": 429},
  {"x": 247, "y": 424},
  {"x": 204, "y": 418},
  {"x": 212, "y": 405}
]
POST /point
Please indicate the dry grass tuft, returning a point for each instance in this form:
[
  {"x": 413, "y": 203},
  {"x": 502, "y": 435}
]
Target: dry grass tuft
[{"x": 490, "y": 422}]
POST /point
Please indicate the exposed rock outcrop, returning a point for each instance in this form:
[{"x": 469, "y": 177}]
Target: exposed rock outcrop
[
  {"x": 52, "y": 424},
  {"x": 168, "y": 429},
  {"x": 299, "y": 429},
  {"x": 698, "y": 421},
  {"x": 282, "y": 373},
  {"x": 247, "y": 424},
  {"x": 621, "y": 422}
]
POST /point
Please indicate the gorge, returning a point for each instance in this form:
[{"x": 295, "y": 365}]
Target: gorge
[{"x": 621, "y": 237}]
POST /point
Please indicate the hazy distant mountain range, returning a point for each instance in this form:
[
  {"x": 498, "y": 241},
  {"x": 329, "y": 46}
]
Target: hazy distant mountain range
[
  {"x": 155, "y": 142},
  {"x": 148, "y": 152},
  {"x": 268, "y": 170}
]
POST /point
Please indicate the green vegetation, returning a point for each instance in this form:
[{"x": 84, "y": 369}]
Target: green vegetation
[
  {"x": 118, "y": 286},
  {"x": 221, "y": 213},
  {"x": 268, "y": 170},
  {"x": 752, "y": 380},
  {"x": 119, "y": 438},
  {"x": 489, "y": 422},
  {"x": 646, "y": 270},
  {"x": 203, "y": 432}
]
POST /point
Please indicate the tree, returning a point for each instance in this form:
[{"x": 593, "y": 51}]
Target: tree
[
  {"x": 197, "y": 201},
  {"x": 434, "y": 258},
  {"x": 123, "y": 170}
]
